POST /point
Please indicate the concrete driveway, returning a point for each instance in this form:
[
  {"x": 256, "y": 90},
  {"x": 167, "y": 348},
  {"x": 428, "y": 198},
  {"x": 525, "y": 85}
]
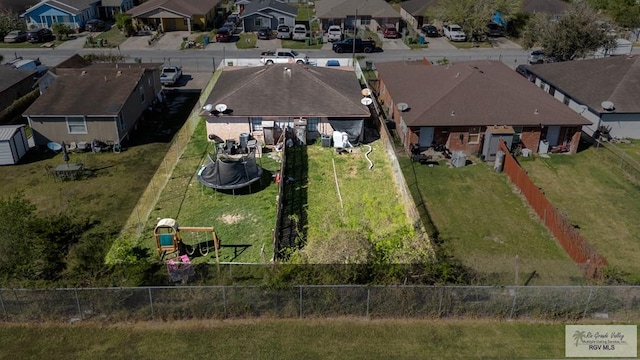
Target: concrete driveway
[
  {"x": 439, "y": 43},
  {"x": 504, "y": 43},
  {"x": 169, "y": 41}
]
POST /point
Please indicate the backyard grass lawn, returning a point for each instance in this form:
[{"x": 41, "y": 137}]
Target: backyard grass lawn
[
  {"x": 243, "y": 222},
  {"x": 632, "y": 149},
  {"x": 598, "y": 198},
  {"x": 373, "y": 209},
  {"x": 485, "y": 224},
  {"x": 116, "y": 182},
  {"x": 113, "y": 36},
  {"x": 287, "y": 339}
]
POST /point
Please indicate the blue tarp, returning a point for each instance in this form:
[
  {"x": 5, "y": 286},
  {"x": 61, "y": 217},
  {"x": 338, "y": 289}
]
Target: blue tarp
[{"x": 497, "y": 18}]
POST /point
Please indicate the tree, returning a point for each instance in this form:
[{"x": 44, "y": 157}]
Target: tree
[
  {"x": 61, "y": 31},
  {"x": 473, "y": 15},
  {"x": 579, "y": 32},
  {"x": 124, "y": 22},
  {"x": 10, "y": 21},
  {"x": 625, "y": 13}
]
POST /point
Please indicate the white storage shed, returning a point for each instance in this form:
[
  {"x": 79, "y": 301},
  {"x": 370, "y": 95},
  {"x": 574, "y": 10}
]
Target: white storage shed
[{"x": 13, "y": 144}]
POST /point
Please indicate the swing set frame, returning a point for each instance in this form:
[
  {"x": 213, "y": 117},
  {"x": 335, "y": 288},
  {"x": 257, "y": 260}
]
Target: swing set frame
[{"x": 169, "y": 239}]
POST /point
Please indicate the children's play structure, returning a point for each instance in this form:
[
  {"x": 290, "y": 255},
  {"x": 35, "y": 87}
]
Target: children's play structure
[{"x": 169, "y": 239}]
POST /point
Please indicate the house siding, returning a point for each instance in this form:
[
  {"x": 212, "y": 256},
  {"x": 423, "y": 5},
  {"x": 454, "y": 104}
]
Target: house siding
[
  {"x": 134, "y": 107},
  {"x": 46, "y": 15},
  {"x": 47, "y": 129},
  {"x": 221, "y": 129}
]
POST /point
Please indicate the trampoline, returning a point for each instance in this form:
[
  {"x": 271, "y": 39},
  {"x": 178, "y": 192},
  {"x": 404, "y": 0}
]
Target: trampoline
[{"x": 230, "y": 172}]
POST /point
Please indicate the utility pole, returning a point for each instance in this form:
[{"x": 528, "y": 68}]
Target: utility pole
[{"x": 355, "y": 32}]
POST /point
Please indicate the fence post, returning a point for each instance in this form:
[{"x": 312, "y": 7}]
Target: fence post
[
  {"x": 75, "y": 290},
  {"x": 513, "y": 306},
  {"x": 224, "y": 301},
  {"x": 4, "y": 310},
  {"x": 368, "y": 300},
  {"x": 151, "y": 304},
  {"x": 301, "y": 314},
  {"x": 440, "y": 302},
  {"x": 586, "y": 307}
]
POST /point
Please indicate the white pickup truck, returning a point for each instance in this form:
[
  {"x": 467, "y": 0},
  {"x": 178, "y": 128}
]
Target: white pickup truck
[
  {"x": 283, "y": 56},
  {"x": 170, "y": 75},
  {"x": 454, "y": 32}
]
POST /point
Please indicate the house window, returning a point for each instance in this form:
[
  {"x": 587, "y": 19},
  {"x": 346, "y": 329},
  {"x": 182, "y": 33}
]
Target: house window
[
  {"x": 141, "y": 92},
  {"x": 312, "y": 124},
  {"x": 280, "y": 21},
  {"x": 257, "y": 22},
  {"x": 365, "y": 21},
  {"x": 474, "y": 135},
  {"x": 76, "y": 125},
  {"x": 256, "y": 123}
]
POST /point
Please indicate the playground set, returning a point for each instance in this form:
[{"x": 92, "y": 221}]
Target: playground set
[{"x": 168, "y": 235}]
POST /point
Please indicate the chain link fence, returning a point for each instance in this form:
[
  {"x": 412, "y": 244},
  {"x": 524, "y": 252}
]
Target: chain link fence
[{"x": 233, "y": 302}]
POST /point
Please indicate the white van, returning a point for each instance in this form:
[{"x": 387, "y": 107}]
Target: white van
[
  {"x": 334, "y": 33},
  {"x": 300, "y": 32}
]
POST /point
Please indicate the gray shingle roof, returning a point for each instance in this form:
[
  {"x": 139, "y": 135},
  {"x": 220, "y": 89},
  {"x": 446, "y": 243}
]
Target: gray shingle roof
[
  {"x": 475, "y": 93},
  {"x": 326, "y": 9},
  {"x": 305, "y": 91},
  {"x": 258, "y": 5},
  {"x": 590, "y": 82},
  {"x": 184, "y": 7},
  {"x": 88, "y": 91},
  {"x": 418, "y": 7}
]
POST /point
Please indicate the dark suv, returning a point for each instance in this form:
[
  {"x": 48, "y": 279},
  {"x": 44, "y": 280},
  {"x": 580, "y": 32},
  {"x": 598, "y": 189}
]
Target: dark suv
[
  {"x": 39, "y": 35},
  {"x": 224, "y": 34}
]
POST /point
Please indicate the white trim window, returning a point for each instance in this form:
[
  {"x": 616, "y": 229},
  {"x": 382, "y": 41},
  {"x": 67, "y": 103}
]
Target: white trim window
[
  {"x": 257, "y": 22},
  {"x": 256, "y": 123},
  {"x": 76, "y": 125},
  {"x": 474, "y": 135}
]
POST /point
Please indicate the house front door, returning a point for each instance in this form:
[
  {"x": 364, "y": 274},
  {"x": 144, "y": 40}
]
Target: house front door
[
  {"x": 426, "y": 137},
  {"x": 553, "y": 135}
]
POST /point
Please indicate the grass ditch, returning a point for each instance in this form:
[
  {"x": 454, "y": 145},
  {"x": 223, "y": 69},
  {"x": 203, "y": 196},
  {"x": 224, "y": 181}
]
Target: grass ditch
[{"x": 268, "y": 339}]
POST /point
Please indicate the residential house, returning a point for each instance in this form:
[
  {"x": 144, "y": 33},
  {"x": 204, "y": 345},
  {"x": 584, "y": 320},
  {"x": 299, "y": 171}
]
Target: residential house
[
  {"x": 176, "y": 15},
  {"x": 14, "y": 84},
  {"x": 349, "y": 13},
  {"x": 267, "y": 13},
  {"x": 264, "y": 100},
  {"x": 73, "y": 13},
  {"x": 100, "y": 101},
  {"x": 109, "y": 8},
  {"x": 554, "y": 8},
  {"x": 458, "y": 105},
  {"x": 604, "y": 91},
  {"x": 413, "y": 12}
]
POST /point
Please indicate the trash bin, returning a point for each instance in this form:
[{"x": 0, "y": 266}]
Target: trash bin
[
  {"x": 244, "y": 138},
  {"x": 320, "y": 40},
  {"x": 421, "y": 40},
  {"x": 206, "y": 40},
  {"x": 99, "y": 42},
  {"x": 368, "y": 65},
  {"x": 326, "y": 141}
]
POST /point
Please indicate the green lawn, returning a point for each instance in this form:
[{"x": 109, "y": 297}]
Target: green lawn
[
  {"x": 470, "y": 45},
  {"x": 365, "y": 208},
  {"x": 596, "y": 197},
  {"x": 113, "y": 36},
  {"x": 287, "y": 339},
  {"x": 243, "y": 222},
  {"x": 485, "y": 224}
]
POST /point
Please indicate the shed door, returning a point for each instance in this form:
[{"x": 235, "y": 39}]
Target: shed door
[
  {"x": 553, "y": 135},
  {"x": 426, "y": 136}
]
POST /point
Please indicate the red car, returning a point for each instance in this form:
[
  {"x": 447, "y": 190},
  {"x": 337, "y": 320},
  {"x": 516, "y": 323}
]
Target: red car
[
  {"x": 389, "y": 31},
  {"x": 223, "y": 35}
]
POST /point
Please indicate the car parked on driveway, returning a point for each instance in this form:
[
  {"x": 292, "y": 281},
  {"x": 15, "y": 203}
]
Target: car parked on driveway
[
  {"x": 283, "y": 32},
  {"x": 94, "y": 25},
  {"x": 264, "y": 34},
  {"x": 454, "y": 32},
  {"x": 539, "y": 57},
  {"x": 430, "y": 31},
  {"x": 389, "y": 31},
  {"x": 39, "y": 35},
  {"x": 15, "y": 36},
  {"x": 334, "y": 33},
  {"x": 224, "y": 35}
]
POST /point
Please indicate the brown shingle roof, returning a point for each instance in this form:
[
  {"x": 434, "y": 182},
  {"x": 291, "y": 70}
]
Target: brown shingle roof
[
  {"x": 418, "y": 7},
  {"x": 343, "y": 8},
  {"x": 475, "y": 93},
  {"x": 590, "y": 82},
  {"x": 303, "y": 91},
  {"x": 89, "y": 91},
  {"x": 183, "y": 7}
]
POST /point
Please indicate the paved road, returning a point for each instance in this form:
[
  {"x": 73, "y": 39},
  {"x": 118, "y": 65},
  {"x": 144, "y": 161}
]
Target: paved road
[{"x": 207, "y": 59}]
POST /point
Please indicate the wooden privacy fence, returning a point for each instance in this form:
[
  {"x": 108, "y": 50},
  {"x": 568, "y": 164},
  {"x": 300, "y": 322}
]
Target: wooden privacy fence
[{"x": 573, "y": 243}]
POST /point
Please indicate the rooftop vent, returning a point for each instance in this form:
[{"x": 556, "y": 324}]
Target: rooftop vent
[{"x": 608, "y": 106}]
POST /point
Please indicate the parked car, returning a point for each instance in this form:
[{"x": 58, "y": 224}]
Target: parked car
[
  {"x": 170, "y": 75},
  {"x": 39, "y": 35},
  {"x": 283, "y": 56},
  {"x": 537, "y": 57},
  {"x": 347, "y": 45},
  {"x": 283, "y": 32},
  {"x": 94, "y": 25},
  {"x": 264, "y": 34},
  {"x": 454, "y": 32},
  {"x": 300, "y": 32},
  {"x": 334, "y": 33},
  {"x": 231, "y": 26},
  {"x": 15, "y": 36},
  {"x": 430, "y": 31},
  {"x": 223, "y": 35},
  {"x": 389, "y": 31},
  {"x": 494, "y": 30},
  {"x": 234, "y": 18}
]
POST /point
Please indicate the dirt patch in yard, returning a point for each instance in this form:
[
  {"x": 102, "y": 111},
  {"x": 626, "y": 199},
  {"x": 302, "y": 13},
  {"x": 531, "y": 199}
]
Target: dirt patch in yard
[{"x": 231, "y": 218}]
